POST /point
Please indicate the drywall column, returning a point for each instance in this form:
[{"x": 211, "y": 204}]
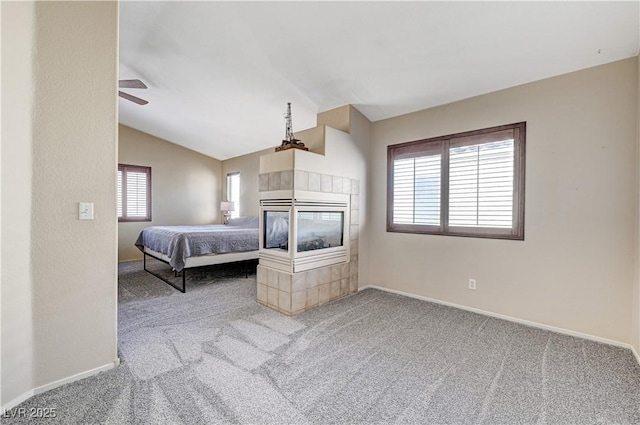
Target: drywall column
[
  {"x": 635, "y": 300},
  {"x": 18, "y": 24},
  {"x": 74, "y": 160},
  {"x": 360, "y": 130}
]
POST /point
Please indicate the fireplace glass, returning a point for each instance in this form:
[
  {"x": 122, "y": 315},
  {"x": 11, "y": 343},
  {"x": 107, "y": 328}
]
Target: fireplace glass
[
  {"x": 276, "y": 230},
  {"x": 319, "y": 229}
]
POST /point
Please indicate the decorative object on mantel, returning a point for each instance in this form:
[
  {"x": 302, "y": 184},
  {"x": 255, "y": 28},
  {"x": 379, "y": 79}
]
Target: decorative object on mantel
[
  {"x": 290, "y": 142},
  {"x": 226, "y": 207}
]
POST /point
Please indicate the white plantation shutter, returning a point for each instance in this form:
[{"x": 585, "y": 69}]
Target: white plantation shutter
[
  {"x": 119, "y": 184},
  {"x": 416, "y": 190},
  {"x": 134, "y": 193},
  {"x": 481, "y": 185},
  {"x": 468, "y": 184}
]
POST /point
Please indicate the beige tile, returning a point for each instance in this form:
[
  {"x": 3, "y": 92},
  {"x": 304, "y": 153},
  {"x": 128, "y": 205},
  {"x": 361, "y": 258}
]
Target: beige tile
[
  {"x": 299, "y": 282},
  {"x": 355, "y": 217},
  {"x": 324, "y": 275},
  {"x": 298, "y": 301},
  {"x": 286, "y": 179},
  {"x": 355, "y": 202},
  {"x": 324, "y": 292},
  {"x": 312, "y": 298},
  {"x": 353, "y": 255},
  {"x": 315, "y": 182},
  {"x": 274, "y": 180},
  {"x": 313, "y": 277},
  {"x": 344, "y": 287},
  {"x": 284, "y": 301},
  {"x": 261, "y": 275},
  {"x": 354, "y": 232},
  {"x": 353, "y": 246},
  {"x": 335, "y": 290},
  {"x": 344, "y": 270},
  {"x": 335, "y": 272},
  {"x": 355, "y": 186},
  {"x": 263, "y": 182},
  {"x": 346, "y": 185},
  {"x": 301, "y": 180},
  {"x": 353, "y": 268},
  {"x": 272, "y": 297},
  {"x": 337, "y": 184},
  {"x": 262, "y": 293},
  {"x": 353, "y": 284},
  {"x": 326, "y": 183},
  {"x": 272, "y": 278},
  {"x": 284, "y": 282}
]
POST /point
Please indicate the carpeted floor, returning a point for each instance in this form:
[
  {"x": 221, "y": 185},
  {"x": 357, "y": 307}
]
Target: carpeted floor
[{"x": 213, "y": 355}]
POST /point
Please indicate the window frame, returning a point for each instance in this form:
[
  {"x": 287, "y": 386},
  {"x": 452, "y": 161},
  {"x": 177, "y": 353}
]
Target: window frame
[
  {"x": 443, "y": 144},
  {"x": 136, "y": 168}
]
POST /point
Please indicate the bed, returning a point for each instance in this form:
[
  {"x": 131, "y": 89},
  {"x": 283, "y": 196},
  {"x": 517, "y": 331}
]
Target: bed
[{"x": 185, "y": 247}]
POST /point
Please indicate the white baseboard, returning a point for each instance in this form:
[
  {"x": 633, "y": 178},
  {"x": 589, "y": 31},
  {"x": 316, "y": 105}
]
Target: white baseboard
[
  {"x": 16, "y": 401},
  {"x": 131, "y": 260},
  {"x": 39, "y": 390},
  {"x": 635, "y": 353},
  {"x": 511, "y": 319}
]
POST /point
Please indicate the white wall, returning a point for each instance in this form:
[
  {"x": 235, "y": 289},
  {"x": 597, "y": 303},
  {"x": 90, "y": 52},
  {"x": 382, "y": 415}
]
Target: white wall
[
  {"x": 18, "y": 21},
  {"x": 185, "y": 186},
  {"x": 69, "y": 301},
  {"x": 575, "y": 268}
]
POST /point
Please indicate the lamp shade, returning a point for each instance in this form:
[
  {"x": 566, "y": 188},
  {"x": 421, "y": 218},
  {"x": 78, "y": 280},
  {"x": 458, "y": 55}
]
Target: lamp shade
[{"x": 227, "y": 206}]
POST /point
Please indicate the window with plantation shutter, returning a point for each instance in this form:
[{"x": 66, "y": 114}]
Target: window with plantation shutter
[
  {"x": 134, "y": 193},
  {"x": 467, "y": 184}
]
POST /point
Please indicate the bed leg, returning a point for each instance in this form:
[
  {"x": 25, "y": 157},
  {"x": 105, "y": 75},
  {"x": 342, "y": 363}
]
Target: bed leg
[
  {"x": 184, "y": 274},
  {"x": 144, "y": 261}
]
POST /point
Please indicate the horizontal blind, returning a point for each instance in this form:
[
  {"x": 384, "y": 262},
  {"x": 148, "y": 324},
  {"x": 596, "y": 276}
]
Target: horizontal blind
[
  {"x": 481, "y": 185},
  {"x": 119, "y": 193},
  {"x": 416, "y": 190},
  {"x": 136, "y": 182}
]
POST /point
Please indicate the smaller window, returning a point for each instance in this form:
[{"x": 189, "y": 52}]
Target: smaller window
[
  {"x": 233, "y": 193},
  {"x": 134, "y": 193}
]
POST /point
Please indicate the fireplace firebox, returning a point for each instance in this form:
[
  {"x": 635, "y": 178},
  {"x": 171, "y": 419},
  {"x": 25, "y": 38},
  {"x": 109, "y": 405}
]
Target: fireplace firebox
[{"x": 299, "y": 235}]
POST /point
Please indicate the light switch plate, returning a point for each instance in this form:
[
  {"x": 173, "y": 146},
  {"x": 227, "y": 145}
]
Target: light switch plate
[{"x": 85, "y": 210}]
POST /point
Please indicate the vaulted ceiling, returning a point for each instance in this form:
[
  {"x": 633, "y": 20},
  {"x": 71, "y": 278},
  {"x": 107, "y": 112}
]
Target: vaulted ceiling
[{"x": 220, "y": 74}]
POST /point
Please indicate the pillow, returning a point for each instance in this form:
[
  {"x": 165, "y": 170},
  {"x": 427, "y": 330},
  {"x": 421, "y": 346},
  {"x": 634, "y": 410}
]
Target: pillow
[{"x": 244, "y": 222}]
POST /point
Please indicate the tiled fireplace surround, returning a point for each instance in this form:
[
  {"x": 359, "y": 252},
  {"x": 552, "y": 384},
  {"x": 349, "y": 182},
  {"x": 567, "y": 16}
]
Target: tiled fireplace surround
[{"x": 294, "y": 293}]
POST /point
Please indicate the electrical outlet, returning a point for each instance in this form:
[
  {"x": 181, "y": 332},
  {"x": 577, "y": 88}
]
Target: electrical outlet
[{"x": 472, "y": 284}]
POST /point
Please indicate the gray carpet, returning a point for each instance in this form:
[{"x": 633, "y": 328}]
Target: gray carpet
[{"x": 213, "y": 355}]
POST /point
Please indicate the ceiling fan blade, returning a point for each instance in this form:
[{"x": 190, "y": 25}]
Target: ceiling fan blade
[
  {"x": 132, "y": 98},
  {"x": 131, "y": 84}
]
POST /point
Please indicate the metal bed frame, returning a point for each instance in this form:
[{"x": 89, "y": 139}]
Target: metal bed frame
[{"x": 183, "y": 288}]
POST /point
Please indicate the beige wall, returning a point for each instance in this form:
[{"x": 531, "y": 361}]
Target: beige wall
[
  {"x": 249, "y": 167},
  {"x": 575, "y": 268},
  {"x": 66, "y": 70},
  {"x": 185, "y": 186},
  {"x": 18, "y": 21}
]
